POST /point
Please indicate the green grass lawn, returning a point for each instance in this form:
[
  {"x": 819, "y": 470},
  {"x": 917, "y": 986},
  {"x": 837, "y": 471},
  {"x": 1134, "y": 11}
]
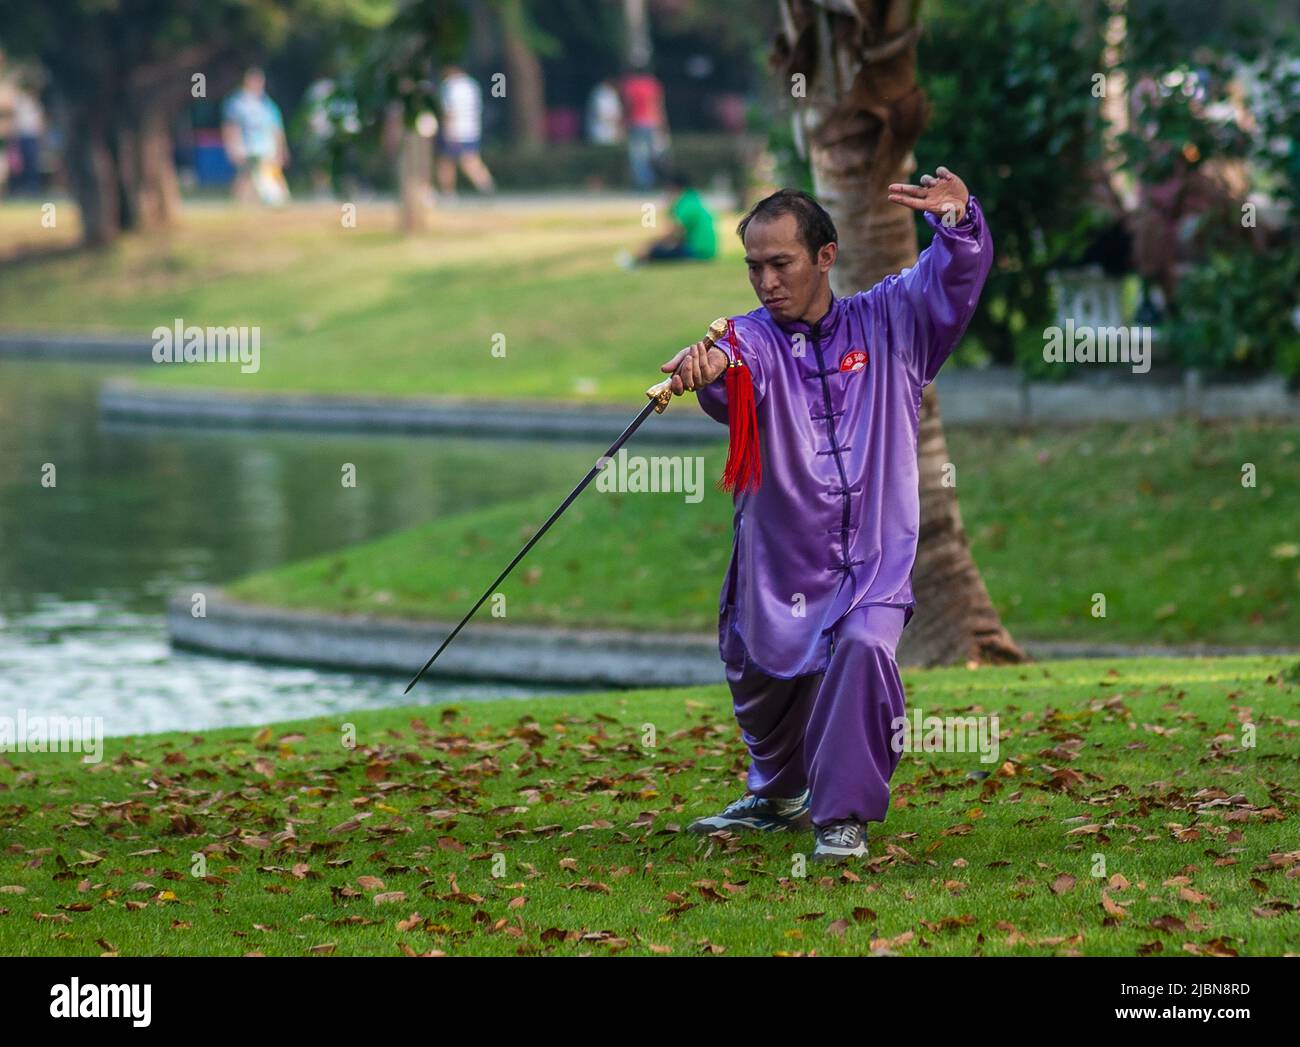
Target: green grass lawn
[
  {"x": 1154, "y": 517},
  {"x": 366, "y": 311},
  {"x": 1127, "y": 811}
]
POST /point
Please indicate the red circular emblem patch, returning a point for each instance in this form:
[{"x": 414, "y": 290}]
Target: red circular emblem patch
[{"x": 854, "y": 360}]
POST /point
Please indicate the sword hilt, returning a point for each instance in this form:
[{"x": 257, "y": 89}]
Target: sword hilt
[{"x": 662, "y": 392}]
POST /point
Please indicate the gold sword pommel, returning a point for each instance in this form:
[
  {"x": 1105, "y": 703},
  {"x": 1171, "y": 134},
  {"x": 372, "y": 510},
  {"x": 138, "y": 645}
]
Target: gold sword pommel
[{"x": 661, "y": 392}]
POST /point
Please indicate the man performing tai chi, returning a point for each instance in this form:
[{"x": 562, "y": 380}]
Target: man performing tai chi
[{"x": 819, "y": 587}]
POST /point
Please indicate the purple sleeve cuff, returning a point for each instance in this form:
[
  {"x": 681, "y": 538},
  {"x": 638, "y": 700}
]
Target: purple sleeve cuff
[
  {"x": 970, "y": 226},
  {"x": 713, "y": 398}
]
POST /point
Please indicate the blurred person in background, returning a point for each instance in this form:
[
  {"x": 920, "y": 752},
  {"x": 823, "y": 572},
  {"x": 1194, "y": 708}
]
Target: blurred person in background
[
  {"x": 8, "y": 119},
  {"x": 460, "y": 132},
  {"x": 604, "y": 114},
  {"x": 29, "y": 131},
  {"x": 647, "y": 124},
  {"x": 692, "y": 237},
  {"x": 252, "y": 130},
  {"x": 329, "y": 126}
]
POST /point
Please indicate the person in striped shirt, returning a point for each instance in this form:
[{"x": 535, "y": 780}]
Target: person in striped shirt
[{"x": 461, "y": 131}]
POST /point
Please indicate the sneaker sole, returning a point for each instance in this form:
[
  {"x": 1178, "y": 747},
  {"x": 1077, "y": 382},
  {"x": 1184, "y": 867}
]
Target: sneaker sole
[
  {"x": 704, "y": 827},
  {"x": 834, "y": 858}
]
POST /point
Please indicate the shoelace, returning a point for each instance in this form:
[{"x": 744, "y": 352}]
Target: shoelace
[
  {"x": 841, "y": 834},
  {"x": 743, "y": 804},
  {"x": 750, "y": 801}
]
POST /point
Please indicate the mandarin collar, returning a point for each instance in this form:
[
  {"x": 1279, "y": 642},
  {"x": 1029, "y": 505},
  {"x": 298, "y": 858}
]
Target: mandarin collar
[{"x": 828, "y": 324}]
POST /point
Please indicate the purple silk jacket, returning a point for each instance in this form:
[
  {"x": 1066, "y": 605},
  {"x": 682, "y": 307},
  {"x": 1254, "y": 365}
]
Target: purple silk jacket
[{"x": 834, "y": 523}]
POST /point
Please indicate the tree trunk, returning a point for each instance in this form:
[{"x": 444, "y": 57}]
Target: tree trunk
[
  {"x": 415, "y": 182},
  {"x": 860, "y": 112},
  {"x": 92, "y": 173},
  {"x": 525, "y": 82},
  {"x": 119, "y": 112},
  {"x": 150, "y": 190},
  {"x": 412, "y": 156},
  {"x": 637, "y": 28}
]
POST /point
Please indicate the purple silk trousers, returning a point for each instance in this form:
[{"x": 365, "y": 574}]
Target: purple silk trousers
[{"x": 829, "y": 731}]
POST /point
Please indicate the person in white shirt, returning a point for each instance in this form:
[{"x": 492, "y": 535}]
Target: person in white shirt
[
  {"x": 252, "y": 129},
  {"x": 604, "y": 114},
  {"x": 460, "y": 132}
]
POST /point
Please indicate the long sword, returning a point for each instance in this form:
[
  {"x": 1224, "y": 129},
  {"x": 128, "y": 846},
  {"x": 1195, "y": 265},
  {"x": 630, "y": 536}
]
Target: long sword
[{"x": 660, "y": 395}]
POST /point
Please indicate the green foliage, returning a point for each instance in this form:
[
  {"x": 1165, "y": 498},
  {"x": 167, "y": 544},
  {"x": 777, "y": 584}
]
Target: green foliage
[
  {"x": 87, "y": 44},
  {"x": 397, "y": 60},
  {"x": 1234, "y": 311},
  {"x": 1014, "y": 115},
  {"x": 1178, "y": 70},
  {"x": 705, "y": 159},
  {"x": 792, "y": 170},
  {"x": 1237, "y": 313}
]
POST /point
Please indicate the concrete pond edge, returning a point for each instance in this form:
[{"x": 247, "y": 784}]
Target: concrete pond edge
[
  {"x": 998, "y": 395},
  {"x": 995, "y": 396},
  {"x": 485, "y": 650}
]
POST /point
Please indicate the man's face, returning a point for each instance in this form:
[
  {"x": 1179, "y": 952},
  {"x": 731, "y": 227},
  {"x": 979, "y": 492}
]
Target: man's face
[
  {"x": 785, "y": 278},
  {"x": 254, "y": 82}
]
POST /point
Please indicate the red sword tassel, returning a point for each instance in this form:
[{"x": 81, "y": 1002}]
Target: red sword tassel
[{"x": 744, "y": 468}]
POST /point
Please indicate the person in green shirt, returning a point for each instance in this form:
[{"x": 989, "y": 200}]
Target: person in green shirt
[{"x": 693, "y": 236}]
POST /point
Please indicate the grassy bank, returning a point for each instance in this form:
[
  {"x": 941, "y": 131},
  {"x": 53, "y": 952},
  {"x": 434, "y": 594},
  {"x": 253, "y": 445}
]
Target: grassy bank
[
  {"x": 1122, "y": 815},
  {"x": 508, "y": 301},
  {"x": 1153, "y": 517}
]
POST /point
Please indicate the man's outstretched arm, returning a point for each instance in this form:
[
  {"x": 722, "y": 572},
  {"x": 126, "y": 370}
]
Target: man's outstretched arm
[{"x": 931, "y": 303}]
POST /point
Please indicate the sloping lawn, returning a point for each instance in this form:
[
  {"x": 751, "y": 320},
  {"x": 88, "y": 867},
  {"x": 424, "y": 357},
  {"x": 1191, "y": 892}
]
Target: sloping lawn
[
  {"x": 1153, "y": 517},
  {"x": 510, "y": 301}
]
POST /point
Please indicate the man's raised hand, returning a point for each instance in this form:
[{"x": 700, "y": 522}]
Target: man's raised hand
[
  {"x": 942, "y": 193},
  {"x": 699, "y": 367}
]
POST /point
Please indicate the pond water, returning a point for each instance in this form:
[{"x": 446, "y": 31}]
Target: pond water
[{"x": 135, "y": 513}]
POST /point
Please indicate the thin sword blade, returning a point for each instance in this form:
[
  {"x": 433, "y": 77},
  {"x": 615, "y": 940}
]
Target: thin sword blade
[{"x": 613, "y": 449}]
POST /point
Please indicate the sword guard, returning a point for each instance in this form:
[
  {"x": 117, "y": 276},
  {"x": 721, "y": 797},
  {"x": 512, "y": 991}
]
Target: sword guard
[{"x": 661, "y": 392}]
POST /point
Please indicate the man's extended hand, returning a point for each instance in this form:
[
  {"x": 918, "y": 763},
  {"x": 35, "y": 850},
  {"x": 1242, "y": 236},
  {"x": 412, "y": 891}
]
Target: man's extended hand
[
  {"x": 942, "y": 193},
  {"x": 701, "y": 364}
]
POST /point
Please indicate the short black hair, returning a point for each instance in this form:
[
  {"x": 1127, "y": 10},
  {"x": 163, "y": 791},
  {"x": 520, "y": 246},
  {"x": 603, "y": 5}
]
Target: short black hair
[{"x": 816, "y": 229}]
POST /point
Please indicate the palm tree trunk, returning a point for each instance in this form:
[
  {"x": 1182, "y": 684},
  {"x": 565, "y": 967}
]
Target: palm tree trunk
[{"x": 860, "y": 112}]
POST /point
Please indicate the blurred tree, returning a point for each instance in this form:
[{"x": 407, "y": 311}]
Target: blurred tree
[
  {"x": 395, "y": 49},
  {"x": 522, "y": 43},
  {"x": 637, "y": 48},
  {"x": 392, "y": 79},
  {"x": 121, "y": 73},
  {"x": 1035, "y": 65},
  {"x": 1206, "y": 145},
  {"x": 851, "y": 68}
]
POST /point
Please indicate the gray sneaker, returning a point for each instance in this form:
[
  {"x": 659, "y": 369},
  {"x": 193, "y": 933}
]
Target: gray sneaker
[
  {"x": 759, "y": 813},
  {"x": 837, "y": 841}
]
